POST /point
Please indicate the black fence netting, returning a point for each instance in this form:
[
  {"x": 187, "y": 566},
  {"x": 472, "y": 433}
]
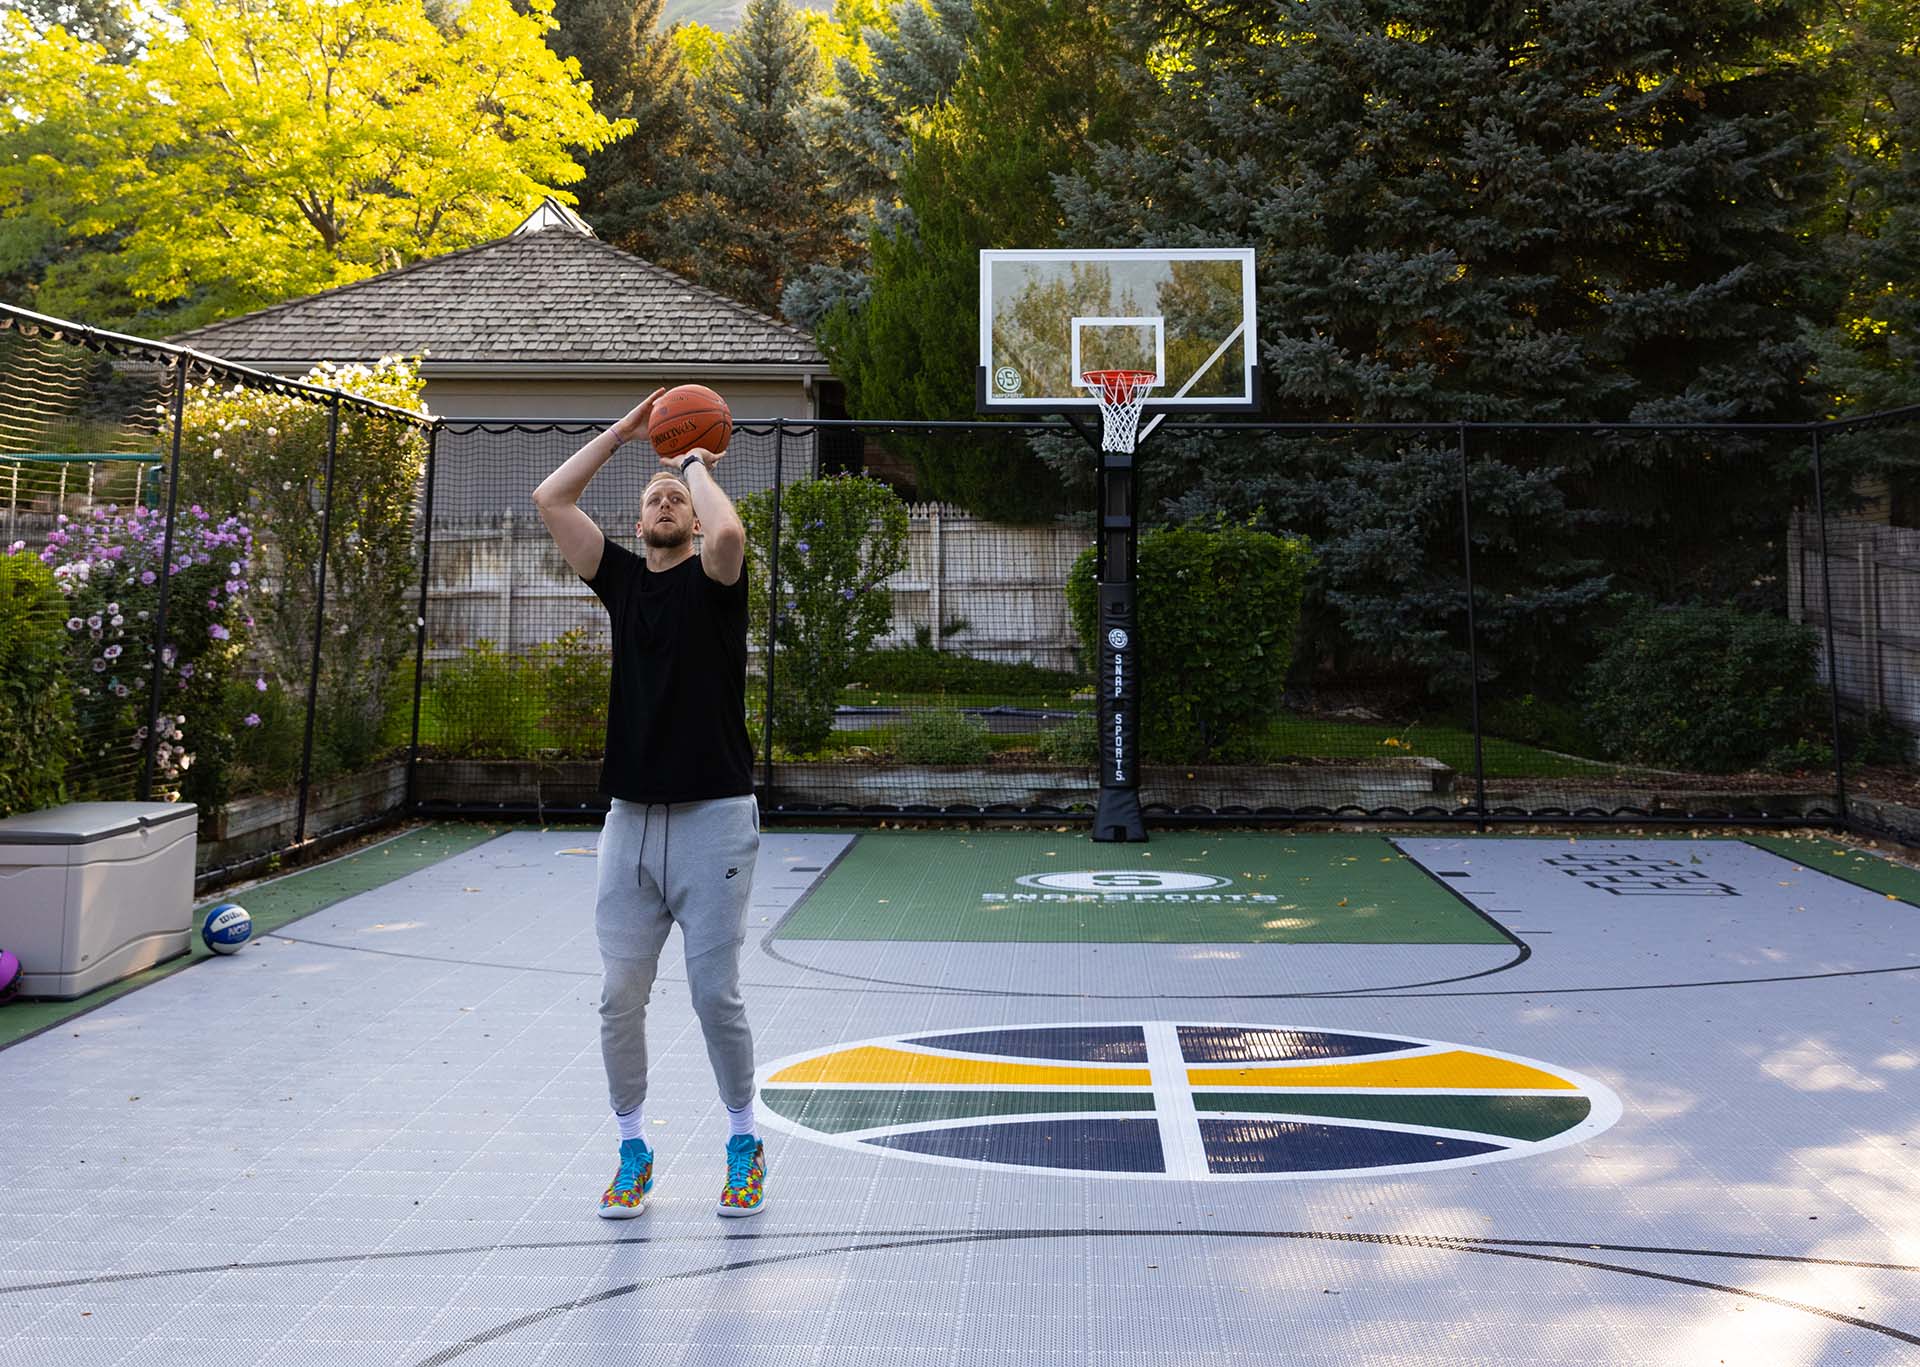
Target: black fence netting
[
  {"x": 1855, "y": 558},
  {"x": 182, "y": 517},
  {"x": 1470, "y": 623},
  {"x": 514, "y": 688}
]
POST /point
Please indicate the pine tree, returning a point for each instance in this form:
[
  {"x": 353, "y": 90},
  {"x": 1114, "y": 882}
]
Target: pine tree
[
  {"x": 1474, "y": 211},
  {"x": 861, "y": 129},
  {"x": 752, "y": 204},
  {"x": 636, "y": 74},
  {"x": 1042, "y": 79}
]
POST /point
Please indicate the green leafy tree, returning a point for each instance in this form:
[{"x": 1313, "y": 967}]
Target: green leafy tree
[
  {"x": 37, "y": 735},
  {"x": 751, "y": 207},
  {"x": 841, "y": 538},
  {"x": 263, "y": 455},
  {"x": 267, "y": 150},
  {"x": 1471, "y": 211},
  {"x": 1042, "y": 79}
]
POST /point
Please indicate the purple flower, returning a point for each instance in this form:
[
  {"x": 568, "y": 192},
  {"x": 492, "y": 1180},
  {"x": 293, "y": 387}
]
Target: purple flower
[
  {"x": 803, "y": 547},
  {"x": 168, "y": 655},
  {"x": 99, "y": 666},
  {"x": 847, "y": 594},
  {"x": 218, "y": 632},
  {"x": 260, "y": 684},
  {"x": 112, "y": 652},
  {"x": 94, "y": 621},
  {"x": 74, "y": 624},
  {"x": 251, "y": 719},
  {"x": 186, "y": 671}
]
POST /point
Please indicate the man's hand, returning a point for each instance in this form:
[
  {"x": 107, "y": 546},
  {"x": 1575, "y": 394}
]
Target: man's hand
[
  {"x": 635, "y": 424},
  {"x": 707, "y": 458}
]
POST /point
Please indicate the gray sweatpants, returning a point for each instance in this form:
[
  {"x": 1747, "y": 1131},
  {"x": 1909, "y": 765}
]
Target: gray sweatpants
[{"x": 689, "y": 863}]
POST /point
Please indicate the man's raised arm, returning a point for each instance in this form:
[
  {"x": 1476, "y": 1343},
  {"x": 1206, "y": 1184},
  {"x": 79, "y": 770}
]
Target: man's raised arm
[
  {"x": 558, "y": 497},
  {"x": 723, "y": 541}
]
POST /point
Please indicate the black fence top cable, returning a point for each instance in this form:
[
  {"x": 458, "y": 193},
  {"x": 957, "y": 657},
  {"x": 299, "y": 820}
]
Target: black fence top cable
[{"x": 29, "y": 323}]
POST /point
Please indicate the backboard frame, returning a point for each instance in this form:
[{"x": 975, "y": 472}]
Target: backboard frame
[{"x": 1168, "y": 398}]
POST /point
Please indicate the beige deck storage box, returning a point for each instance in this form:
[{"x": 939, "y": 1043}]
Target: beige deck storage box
[{"x": 94, "y": 891}]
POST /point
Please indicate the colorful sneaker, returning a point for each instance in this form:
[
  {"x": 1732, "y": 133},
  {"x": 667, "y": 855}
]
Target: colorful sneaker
[
  {"x": 627, "y": 1193},
  {"x": 746, "y": 1189}
]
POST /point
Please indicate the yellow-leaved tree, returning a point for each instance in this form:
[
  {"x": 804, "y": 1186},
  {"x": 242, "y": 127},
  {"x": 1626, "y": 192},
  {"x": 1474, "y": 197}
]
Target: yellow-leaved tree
[{"x": 256, "y": 150}]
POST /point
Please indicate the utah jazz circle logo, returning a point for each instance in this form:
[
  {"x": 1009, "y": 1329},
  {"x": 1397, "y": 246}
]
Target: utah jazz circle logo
[
  {"x": 1121, "y": 880},
  {"x": 1156, "y": 1099}
]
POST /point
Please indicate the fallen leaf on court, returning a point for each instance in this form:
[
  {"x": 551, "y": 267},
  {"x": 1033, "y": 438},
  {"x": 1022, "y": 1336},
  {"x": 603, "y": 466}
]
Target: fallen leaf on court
[{"x": 1343, "y": 901}]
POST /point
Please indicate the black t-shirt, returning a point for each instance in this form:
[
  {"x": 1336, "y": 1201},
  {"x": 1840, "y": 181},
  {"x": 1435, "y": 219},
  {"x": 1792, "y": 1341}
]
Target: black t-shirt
[{"x": 677, "y": 714}]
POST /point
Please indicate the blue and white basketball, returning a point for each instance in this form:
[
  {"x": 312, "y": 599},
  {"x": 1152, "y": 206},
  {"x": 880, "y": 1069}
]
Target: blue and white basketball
[{"x": 226, "y": 928}]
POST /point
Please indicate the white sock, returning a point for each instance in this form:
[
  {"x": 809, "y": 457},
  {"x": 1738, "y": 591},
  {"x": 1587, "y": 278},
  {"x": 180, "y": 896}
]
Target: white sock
[
  {"x": 629, "y": 1123},
  {"x": 740, "y": 1121}
]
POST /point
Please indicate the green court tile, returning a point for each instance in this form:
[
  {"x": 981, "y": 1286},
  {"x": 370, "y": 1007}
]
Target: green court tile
[
  {"x": 1514, "y": 1117},
  {"x": 1863, "y": 869},
  {"x": 271, "y": 904},
  {"x": 835, "y": 1110},
  {"x": 1183, "y": 887}
]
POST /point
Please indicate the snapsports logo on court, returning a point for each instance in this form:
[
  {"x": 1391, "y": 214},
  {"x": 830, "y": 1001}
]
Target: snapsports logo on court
[{"x": 1124, "y": 885}]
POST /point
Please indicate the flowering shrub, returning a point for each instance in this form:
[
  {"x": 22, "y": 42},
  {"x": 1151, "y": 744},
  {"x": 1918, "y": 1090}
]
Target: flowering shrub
[
  {"x": 841, "y": 538},
  {"x": 36, "y": 704},
  {"x": 266, "y": 453},
  {"x": 108, "y": 568}
]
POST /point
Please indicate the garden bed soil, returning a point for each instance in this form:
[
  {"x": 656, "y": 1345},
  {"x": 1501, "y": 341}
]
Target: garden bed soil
[
  {"x": 261, "y": 822},
  {"x": 569, "y": 783},
  {"x": 1403, "y": 783}
]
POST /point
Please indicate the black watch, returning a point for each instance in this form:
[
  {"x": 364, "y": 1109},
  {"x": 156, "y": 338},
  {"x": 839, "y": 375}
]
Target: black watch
[{"x": 690, "y": 460}]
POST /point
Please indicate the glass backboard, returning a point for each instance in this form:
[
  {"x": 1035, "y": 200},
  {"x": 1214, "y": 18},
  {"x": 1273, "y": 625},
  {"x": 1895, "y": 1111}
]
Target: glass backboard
[{"x": 1185, "y": 315}]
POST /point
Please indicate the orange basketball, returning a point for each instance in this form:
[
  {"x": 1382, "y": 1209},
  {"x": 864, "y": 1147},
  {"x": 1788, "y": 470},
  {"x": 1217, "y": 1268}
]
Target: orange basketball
[{"x": 687, "y": 416}]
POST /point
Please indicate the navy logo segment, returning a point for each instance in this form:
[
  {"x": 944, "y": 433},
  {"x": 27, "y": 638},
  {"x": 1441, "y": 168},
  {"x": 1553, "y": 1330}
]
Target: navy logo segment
[
  {"x": 1248, "y": 1044},
  {"x": 1073, "y": 1044}
]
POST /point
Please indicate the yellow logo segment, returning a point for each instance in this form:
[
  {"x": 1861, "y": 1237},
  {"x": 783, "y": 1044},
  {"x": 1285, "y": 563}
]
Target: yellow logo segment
[
  {"x": 1457, "y": 1068},
  {"x": 878, "y": 1065}
]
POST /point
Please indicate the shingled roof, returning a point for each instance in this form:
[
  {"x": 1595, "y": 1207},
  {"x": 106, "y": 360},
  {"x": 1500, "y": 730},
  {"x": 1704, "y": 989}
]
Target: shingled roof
[{"x": 553, "y": 297}]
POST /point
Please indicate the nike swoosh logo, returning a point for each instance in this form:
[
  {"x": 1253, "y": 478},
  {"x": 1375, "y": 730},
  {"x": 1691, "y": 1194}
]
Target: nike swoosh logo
[{"x": 732, "y": 872}]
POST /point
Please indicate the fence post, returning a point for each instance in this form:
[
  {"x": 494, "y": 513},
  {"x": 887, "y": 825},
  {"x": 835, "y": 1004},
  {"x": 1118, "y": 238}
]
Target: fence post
[
  {"x": 319, "y": 618},
  {"x": 506, "y": 585},
  {"x": 939, "y": 573},
  {"x": 1473, "y": 632},
  {"x": 773, "y": 608},
  {"x": 166, "y": 578},
  {"x": 1826, "y": 607},
  {"x": 420, "y": 619}
]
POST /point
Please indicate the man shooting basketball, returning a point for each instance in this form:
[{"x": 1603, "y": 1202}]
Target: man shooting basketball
[{"x": 681, "y": 839}]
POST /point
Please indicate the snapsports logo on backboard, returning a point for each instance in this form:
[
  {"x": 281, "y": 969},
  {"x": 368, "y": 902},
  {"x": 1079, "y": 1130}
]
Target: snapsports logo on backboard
[{"x": 1124, "y": 885}]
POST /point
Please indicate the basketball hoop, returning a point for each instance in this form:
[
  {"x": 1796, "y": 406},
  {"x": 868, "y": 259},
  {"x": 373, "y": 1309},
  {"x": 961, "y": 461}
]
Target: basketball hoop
[{"x": 1122, "y": 395}]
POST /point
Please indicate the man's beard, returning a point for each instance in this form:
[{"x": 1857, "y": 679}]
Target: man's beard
[{"x": 668, "y": 537}]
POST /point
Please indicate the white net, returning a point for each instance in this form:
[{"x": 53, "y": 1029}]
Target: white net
[{"x": 1122, "y": 394}]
